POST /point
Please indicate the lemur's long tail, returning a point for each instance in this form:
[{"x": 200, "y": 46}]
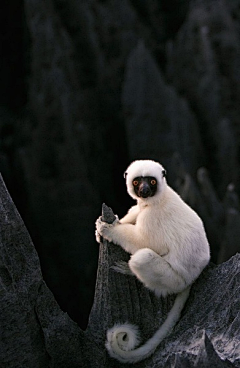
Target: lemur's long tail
[{"x": 122, "y": 339}]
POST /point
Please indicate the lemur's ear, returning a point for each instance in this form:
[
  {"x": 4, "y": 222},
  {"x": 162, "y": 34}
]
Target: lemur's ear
[
  {"x": 125, "y": 174},
  {"x": 164, "y": 173}
]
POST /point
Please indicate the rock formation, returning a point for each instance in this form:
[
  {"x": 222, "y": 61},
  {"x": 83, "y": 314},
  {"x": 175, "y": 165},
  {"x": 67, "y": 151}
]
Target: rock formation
[
  {"x": 87, "y": 86},
  {"x": 36, "y": 333}
]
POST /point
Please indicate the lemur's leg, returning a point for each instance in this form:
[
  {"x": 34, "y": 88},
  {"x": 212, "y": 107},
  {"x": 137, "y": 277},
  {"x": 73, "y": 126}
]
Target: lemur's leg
[{"x": 156, "y": 273}]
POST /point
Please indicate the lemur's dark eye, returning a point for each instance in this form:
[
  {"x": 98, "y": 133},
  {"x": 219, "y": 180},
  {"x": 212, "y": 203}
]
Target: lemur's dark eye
[
  {"x": 135, "y": 183},
  {"x": 153, "y": 182}
]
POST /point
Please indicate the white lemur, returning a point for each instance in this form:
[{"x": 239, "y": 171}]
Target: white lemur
[{"x": 169, "y": 250}]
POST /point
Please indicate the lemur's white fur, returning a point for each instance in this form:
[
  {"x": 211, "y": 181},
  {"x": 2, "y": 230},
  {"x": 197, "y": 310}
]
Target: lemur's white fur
[{"x": 169, "y": 250}]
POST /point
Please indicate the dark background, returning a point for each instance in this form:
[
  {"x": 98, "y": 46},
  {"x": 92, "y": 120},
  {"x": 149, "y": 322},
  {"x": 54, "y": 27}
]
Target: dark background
[{"x": 88, "y": 86}]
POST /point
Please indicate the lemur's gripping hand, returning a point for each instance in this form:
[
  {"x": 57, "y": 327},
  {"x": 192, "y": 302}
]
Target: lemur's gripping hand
[
  {"x": 98, "y": 237},
  {"x": 104, "y": 229}
]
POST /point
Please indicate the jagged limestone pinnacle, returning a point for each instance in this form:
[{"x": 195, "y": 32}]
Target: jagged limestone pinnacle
[{"x": 107, "y": 214}]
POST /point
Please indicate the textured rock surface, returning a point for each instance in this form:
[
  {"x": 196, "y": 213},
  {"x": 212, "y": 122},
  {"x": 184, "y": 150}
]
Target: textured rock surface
[
  {"x": 34, "y": 332},
  {"x": 207, "y": 46},
  {"x": 153, "y": 109},
  {"x": 80, "y": 98}
]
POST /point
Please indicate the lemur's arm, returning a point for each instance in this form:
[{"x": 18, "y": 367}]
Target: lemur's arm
[
  {"x": 131, "y": 216},
  {"x": 125, "y": 235}
]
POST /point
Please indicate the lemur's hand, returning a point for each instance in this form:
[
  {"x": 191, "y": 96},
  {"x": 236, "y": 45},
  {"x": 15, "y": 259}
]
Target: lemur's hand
[
  {"x": 98, "y": 237},
  {"x": 104, "y": 229}
]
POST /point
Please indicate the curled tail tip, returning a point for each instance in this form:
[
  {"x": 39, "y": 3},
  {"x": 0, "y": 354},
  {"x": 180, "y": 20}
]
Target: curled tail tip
[{"x": 123, "y": 337}]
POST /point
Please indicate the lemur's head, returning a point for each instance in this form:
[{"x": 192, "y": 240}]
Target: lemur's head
[{"x": 145, "y": 179}]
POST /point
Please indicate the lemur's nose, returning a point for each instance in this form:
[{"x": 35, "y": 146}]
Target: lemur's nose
[{"x": 144, "y": 190}]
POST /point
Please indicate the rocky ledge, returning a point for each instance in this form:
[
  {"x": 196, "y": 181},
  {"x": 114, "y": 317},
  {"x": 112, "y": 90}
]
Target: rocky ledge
[{"x": 36, "y": 333}]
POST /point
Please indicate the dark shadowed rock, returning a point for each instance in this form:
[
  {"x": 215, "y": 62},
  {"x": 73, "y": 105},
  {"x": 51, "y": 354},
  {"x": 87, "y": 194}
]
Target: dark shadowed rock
[
  {"x": 106, "y": 82},
  {"x": 203, "y": 65},
  {"x": 34, "y": 331},
  {"x": 220, "y": 218},
  {"x": 155, "y": 112},
  {"x": 95, "y": 99},
  {"x": 230, "y": 242}
]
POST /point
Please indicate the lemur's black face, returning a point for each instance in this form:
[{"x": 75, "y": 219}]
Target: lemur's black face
[{"x": 145, "y": 186}]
